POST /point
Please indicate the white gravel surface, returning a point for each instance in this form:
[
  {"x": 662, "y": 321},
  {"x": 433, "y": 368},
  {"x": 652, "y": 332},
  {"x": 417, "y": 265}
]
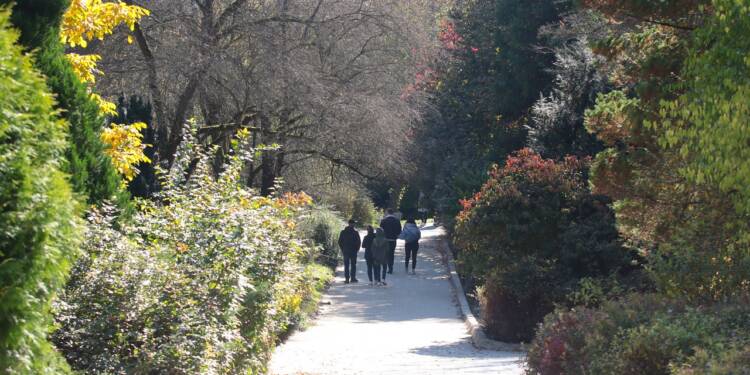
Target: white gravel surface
[{"x": 411, "y": 326}]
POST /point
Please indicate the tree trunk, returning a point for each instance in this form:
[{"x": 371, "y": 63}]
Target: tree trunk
[{"x": 169, "y": 149}]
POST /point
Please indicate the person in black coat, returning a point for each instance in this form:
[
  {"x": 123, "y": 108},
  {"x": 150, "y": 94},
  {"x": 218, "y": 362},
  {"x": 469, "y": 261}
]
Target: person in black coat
[
  {"x": 392, "y": 228},
  {"x": 349, "y": 243},
  {"x": 367, "y": 245}
]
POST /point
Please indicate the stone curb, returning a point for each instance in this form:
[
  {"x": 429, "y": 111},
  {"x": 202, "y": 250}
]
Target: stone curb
[{"x": 475, "y": 329}]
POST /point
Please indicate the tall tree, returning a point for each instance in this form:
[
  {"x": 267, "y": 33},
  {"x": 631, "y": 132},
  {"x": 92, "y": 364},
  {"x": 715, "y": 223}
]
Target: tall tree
[
  {"x": 307, "y": 78},
  {"x": 556, "y": 122},
  {"x": 91, "y": 170},
  {"x": 482, "y": 96},
  {"x": 38, "y": 215}
]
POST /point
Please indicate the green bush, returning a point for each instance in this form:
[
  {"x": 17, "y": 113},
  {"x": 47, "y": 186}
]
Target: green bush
[
  {"x": 341, "y": 199},
  {"x": 530, "y": 235},
  {"x": 351, "y": 204},
  {"x": 643, "y": 334},
  {"x": 321, "y": 227},
  {"x": 91, "y": 171},
  {"x": 364, "y": 211},
  {"x": 731, "y": 361},
  {"x": 40, "y": 230},
  {"x": 202, "y": 281}
]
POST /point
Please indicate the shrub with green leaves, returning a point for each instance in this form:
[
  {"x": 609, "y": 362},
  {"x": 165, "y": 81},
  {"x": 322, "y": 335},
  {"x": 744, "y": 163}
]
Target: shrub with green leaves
[
  {"x": 644, "y": 334},
  {"x": 351, "y": 203},
  {"x": 321, "y": 226},
  {"x": 202, "y": 281},
  {"x": 530, "y": 235},
  {"x": 364, "y": 211},
  {"x": 38, "y": 215}
]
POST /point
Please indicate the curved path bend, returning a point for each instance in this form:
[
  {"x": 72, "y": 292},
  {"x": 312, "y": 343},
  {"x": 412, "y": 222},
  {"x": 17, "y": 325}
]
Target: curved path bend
[{"x": 412, "y": 326}]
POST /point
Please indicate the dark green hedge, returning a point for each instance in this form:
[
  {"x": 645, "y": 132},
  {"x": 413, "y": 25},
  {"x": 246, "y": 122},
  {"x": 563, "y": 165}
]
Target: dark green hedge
[{"x": 39, "y": 229}]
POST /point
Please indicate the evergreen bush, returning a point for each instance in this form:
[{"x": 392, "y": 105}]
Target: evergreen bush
[
  {"x": 90, "y": 169},
  {"x": 530, "y": 235},
  {"x": 38, "y": 214},
  {"x": 644, "y": 334}
]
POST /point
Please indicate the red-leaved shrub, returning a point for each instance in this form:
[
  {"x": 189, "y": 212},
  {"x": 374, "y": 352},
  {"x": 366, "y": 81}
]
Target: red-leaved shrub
[{"x": 531, "y": 233}]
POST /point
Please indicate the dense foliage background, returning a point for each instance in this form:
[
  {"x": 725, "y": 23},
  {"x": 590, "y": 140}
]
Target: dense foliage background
[{"x": 638, "y": 253}]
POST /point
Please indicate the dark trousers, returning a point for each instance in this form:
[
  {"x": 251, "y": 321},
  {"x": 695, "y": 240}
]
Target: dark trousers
[
  {"x": 350, "y": 262},
  {"x": 391, "y": 254},
  {"x": 411, "y": 249},
  {"x": 373, "y": 269}
]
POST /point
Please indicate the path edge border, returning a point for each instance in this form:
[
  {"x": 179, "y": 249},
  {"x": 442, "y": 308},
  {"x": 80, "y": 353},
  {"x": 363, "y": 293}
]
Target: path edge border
[{"x": 478, "y": 337}]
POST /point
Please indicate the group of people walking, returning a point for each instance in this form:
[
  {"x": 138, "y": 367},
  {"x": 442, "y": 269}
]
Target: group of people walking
[{"x": 380, "y": 248}]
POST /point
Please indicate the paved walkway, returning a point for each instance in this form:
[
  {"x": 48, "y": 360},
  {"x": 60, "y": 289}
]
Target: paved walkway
[{"x": 412, "y": 326}]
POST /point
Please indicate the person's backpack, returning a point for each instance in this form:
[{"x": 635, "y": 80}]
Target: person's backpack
[
  {"x": 380, "y": 249},
  {"x": 411, "y": 234}
]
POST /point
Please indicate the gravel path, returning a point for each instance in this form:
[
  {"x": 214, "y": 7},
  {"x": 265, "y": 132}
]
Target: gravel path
[{"x": 412, "y": 326}]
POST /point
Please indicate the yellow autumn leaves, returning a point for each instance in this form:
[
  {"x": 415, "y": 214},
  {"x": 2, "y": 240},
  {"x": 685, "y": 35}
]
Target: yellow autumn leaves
[
  {"x": 125, "y": 147},
  {"x": 84, "y": 21}
]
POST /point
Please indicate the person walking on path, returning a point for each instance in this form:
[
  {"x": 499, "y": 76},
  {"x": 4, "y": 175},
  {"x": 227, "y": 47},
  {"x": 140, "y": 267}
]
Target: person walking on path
[
  {"x": 411, "y": 236},
  {"x": 392, "y": 228},
  {"x": 349, "y": 243},
  {"x": 380, "y": 246},
  {"x": 367, "y": 245}
]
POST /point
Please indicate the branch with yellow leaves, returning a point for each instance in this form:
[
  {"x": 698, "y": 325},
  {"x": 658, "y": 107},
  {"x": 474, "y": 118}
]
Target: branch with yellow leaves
[{"x": 87, "y": 20}]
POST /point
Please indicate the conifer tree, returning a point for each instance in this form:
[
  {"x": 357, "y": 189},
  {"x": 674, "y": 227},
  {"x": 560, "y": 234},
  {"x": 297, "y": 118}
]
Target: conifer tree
[
  {"x": 91, "y": 170},
  {"x": 38, "y": 214}
]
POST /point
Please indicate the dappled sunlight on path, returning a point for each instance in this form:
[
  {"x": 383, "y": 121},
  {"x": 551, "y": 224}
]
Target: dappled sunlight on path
[{"x": 412, "y": 326}]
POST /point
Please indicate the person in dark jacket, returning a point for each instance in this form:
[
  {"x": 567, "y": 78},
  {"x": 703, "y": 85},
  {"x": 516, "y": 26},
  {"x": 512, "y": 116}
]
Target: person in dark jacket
[
  {"x": 380, "y": 254},
  {"x": 349, "y": 243},
  {"x": 392, "y": 228},
  {"x": 367, "y": 245}
]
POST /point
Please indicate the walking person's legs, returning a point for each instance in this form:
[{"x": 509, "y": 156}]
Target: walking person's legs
[
  {"x": 391, "y": 254},
  {"x": 370, "y": 266},
  {"x": 414, "y": 250},
  {"x": 346, "y": 268},
  {"x": 353, "y": 260},
  {"x": 411, "y": 253},
  {"x": 376, "y": 268},
  {"x": 407, "y": 254}
]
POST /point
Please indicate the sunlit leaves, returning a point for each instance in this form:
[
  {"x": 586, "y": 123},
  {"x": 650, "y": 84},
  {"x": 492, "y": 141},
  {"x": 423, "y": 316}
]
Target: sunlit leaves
[
  {"x": 105, "y": 106},
  {"x": 710, "y": 124},
  {"x": 87, "y": 20},
  {"x": 202, "y": 281},
  {"x": 84, "y": 66},
  {"x": 611, "y": 119},
  {"x": 125, "y": 147}
]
